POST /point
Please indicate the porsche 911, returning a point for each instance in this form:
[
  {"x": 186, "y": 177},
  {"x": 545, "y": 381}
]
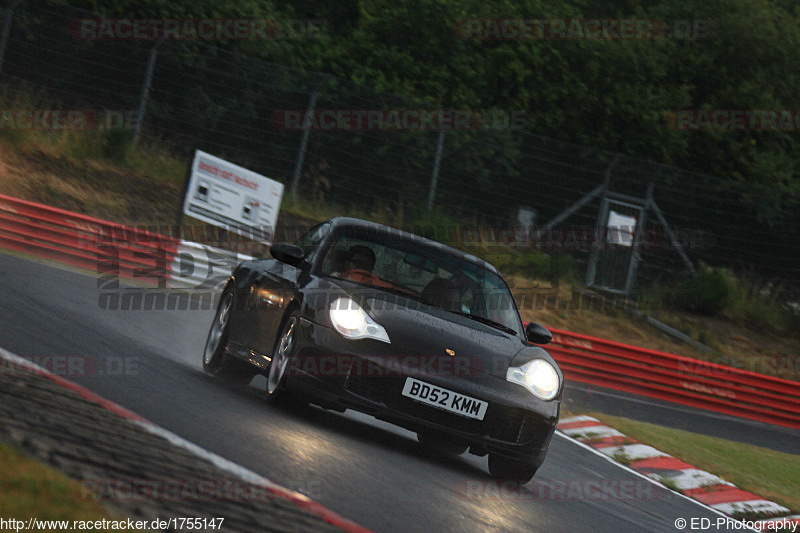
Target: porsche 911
[{"x": 358, "y": 315}]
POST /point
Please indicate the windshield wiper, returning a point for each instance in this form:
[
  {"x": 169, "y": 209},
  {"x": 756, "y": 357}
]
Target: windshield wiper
[
  {"x": 399, "y": 292},
  {"x": 487, "y": 321},
  {"x": 408, "y": 293}
]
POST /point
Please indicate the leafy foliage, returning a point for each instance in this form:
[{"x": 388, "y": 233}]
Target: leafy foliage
[
  {"x": 582, "y": 100},
  {"x": 609, "y": 94}
]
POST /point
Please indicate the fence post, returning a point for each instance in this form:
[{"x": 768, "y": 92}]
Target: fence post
[
  {"x": 602, "y": 219},
  {"x": 640, "y": 233},
  {"x": 437, "y": 160},
  {"x": 7, "y": 30},
  {"x": 307, "y": 122},
  {"x": 148, "y": 80}
]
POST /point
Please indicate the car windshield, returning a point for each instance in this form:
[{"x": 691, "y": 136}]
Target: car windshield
[{"x": 428, "y": 273}]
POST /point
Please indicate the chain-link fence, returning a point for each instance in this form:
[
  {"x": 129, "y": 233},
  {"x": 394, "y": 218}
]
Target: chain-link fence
[{"x": 195, "y": 95}]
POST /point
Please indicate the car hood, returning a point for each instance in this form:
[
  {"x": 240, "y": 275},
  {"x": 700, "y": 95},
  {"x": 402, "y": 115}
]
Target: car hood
[{"x": 417, "y": 329}]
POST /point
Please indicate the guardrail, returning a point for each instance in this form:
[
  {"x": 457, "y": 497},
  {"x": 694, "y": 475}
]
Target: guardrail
[
  {"x": 112, "y": 249},
  {"x": 108, "y": 248},
  {"x": 677, "y": 379}
]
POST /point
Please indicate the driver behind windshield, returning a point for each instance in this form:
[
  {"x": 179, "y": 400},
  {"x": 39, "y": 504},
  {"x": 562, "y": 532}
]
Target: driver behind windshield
[
  {"x": 427, "y": 275},
  {"x": 358, "y": 266},
  {"x": 360, "y": 257}
]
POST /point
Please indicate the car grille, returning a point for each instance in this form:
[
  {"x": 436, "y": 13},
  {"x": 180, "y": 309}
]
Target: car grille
[
  {"x": 512, "y": 424},
  {"x": 508, "y": 424},
  {"x": 505, "y": 423},
  {"x": 366, "y": 379},
  {"x": 370, "y": 388},
  {"x": 438, "y": 416}
]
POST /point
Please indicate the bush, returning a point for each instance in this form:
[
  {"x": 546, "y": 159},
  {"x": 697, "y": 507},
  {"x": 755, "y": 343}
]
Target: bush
[
  {"x": 716, "y": 289},
  {"x": 566, "y": 267},
  {"x": 719, "y": 292},
  {"x": 531, "y": 264},
  {"x": 117, "y": 144}
]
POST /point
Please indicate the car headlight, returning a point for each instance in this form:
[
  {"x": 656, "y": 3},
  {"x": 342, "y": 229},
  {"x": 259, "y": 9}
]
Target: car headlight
[
  {"x": 538, "y": 376},
  {"x": 349, "y": 319}
]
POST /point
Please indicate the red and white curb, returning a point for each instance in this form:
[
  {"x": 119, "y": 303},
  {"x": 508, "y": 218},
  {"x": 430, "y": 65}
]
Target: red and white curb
[
  {"x": 697, "y": 484},
  {"x": 303, "y": 502}
]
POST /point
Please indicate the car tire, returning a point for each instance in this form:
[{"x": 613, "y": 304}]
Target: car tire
[
  {"x": 440, "y": 443},
  {"x": 504, "y": 468},
  {"x": 215, "y": 361},
  {"x": 281, "y": 358}
]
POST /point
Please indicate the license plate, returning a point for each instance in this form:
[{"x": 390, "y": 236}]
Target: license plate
[{"x": 444, "y": 399}]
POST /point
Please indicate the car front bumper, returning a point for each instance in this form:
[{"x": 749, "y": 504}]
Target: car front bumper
[{"x": 365, "y": 378}]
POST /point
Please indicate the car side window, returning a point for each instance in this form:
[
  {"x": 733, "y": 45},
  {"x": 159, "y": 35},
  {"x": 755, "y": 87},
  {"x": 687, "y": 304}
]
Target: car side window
[{"x": 313, "y": 237}]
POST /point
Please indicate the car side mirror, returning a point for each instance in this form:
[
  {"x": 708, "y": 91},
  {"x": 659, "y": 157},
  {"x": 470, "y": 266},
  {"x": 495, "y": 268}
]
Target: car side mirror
[
  {"x": 291, "y": 254},
  {"x": 537, "y": 334}
]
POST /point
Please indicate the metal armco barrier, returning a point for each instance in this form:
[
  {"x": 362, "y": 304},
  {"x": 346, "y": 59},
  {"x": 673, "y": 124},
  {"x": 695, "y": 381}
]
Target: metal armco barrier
[
  {"x": 112, "y": 250},
  {"x": 678, "y": 379}
]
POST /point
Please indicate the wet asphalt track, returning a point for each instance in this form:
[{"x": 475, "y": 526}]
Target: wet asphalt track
[{"x": 366, "y": 470}]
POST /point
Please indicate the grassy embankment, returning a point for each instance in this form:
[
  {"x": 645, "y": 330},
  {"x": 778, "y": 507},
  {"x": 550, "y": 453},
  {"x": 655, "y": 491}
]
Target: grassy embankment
[{"x": 33, "y": 490}]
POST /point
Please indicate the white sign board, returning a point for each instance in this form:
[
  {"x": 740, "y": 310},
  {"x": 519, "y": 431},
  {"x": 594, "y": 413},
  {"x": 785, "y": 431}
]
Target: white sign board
[
  {"x": 621, "y": 229},
  {"x": 526, "y": 218},
  {"x": 233, "y": 197}
]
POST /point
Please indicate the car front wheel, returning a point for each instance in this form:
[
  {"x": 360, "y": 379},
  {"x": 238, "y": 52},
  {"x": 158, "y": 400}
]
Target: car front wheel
[
  {"x": 215, "y": 362},
  {"x": 281, "y": 358}
]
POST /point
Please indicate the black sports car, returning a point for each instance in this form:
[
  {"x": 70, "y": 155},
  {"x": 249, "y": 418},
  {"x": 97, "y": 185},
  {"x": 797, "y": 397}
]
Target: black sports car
[{"x": 362, "y": 316}]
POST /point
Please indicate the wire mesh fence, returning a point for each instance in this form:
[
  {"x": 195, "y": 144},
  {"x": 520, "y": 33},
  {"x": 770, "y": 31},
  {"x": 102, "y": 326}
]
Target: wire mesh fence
[{"x": 196, "y": 95}]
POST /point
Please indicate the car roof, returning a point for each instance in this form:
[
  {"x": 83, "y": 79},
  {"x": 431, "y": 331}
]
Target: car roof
[{"x": 374, "y": 226}]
